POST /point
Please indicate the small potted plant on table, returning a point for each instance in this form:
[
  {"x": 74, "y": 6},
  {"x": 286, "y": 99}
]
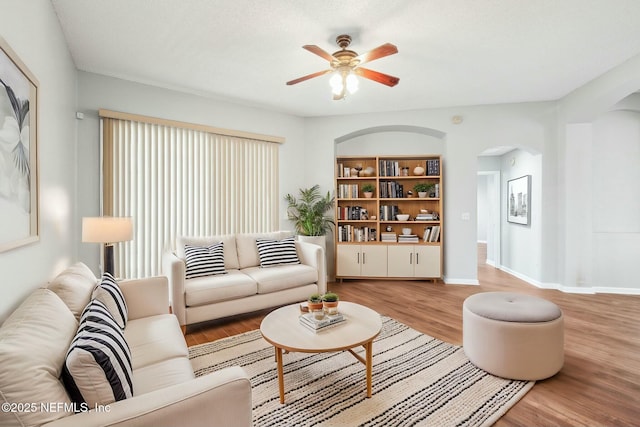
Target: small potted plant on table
[
  {"x": 330, "y": 302},
  {"x": 315, "y": 305}
]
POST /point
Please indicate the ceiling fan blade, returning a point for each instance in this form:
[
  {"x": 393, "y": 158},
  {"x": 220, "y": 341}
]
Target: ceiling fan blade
[
  {"x": 319, "y": 51},
  {"x": 377, "y": 53},
  {"x": 309, "y": 76},
  {"x": 385, "y": 79}
]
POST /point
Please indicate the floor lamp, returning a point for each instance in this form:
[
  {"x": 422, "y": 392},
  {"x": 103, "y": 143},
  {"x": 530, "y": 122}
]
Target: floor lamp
[{"x": 107, "y": 230}]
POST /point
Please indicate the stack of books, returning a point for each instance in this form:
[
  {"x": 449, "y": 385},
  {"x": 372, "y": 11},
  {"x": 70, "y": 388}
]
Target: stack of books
[
  {"x": 408, "y": 238},
  {"x": 425, "y": 217},
  {"x": 309, "y": 321},
  {"x": 388, "y": 237}
]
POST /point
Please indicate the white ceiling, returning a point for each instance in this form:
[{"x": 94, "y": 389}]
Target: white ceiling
[{"x": 451, "y": 52}]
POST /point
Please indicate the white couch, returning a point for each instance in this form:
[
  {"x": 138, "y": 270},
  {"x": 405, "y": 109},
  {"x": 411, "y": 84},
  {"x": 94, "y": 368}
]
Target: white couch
[
  {"x": 246, "y": 286},
  {"x": 35, "y": 338}
]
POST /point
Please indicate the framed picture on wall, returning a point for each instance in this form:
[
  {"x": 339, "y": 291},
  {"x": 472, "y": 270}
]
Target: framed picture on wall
[
  {"x": 18, "y": 151},
  {"x": 519, "y": 200}
]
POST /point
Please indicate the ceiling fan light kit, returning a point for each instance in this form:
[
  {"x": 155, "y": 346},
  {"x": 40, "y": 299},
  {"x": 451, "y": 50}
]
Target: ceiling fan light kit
[{"x": 346, "y": 64}]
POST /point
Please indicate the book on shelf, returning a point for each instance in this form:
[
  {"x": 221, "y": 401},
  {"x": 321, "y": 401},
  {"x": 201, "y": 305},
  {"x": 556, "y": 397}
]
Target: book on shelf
[
  {"x": 388, "y": 237},
  {"x": 350, "y": 233},
  {"x": 431, "y": 234},
  {"x": 309, "y": 321},
  {"x": 391, "y": 189},
  {"x": 388, "y": 212},
  {"x": 433, "y": 167},
  {"x": 435, "y": 234},
  {"x": 408, "y": 238}
]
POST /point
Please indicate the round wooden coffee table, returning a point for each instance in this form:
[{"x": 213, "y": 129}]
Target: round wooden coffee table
[{"x": 283, "y": 330}]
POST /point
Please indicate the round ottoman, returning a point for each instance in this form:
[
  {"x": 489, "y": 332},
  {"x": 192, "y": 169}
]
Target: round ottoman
[{"x": 512, "y": 335}]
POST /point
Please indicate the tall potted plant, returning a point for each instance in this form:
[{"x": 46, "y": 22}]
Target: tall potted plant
[{"x": 309, "y": 214}]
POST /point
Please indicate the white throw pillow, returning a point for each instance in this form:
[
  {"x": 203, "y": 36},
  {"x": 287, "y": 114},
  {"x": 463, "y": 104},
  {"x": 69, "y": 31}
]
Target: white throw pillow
[
  {"x": 204, "y": 261},
  {"x": 277, "y": 252},
  {"x": 97, "y": 369},
  {"x": 74, "y": 286}
]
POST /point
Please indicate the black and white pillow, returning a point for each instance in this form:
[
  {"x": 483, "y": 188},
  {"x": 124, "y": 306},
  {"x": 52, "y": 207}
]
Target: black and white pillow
[
  {"x": 109, "y": 293},
  {"x": 97, "y": 368},
  {"x": 204, "y": 261},
  {"x": 277, "y": 252}
]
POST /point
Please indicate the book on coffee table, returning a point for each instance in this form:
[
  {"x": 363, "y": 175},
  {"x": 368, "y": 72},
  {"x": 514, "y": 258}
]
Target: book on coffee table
[{"x": 309, "y": 321}]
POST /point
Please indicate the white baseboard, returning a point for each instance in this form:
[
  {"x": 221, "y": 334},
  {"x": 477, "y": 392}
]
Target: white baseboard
[
  {"x": 571, "y": 289},
  {"x": 490, "y": 262},
  {"x": 449, "y": 281}
]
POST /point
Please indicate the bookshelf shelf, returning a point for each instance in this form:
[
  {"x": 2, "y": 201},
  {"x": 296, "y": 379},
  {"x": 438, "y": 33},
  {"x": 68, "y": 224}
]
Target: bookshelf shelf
[{"x": 367, "y": 223}]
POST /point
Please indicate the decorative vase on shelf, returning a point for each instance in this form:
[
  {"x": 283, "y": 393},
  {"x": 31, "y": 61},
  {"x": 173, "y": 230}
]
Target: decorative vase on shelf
[
  {"x": 368, "y": 194},
  {"x": 422, "y": 194},
  {"x": 418, "y": 171}
]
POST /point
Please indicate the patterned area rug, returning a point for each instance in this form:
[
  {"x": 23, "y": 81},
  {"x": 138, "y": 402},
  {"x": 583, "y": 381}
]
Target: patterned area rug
[{"x": 417, "y": 381}]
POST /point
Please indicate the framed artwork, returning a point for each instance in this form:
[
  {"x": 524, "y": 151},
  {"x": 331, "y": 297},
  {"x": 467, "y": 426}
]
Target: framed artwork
[
  {"x": 519, "y": 200},
  {"x": 19, "y": 221}
]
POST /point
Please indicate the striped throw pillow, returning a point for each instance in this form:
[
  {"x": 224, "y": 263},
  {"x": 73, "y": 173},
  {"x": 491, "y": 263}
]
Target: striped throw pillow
[
  {"x": 109, "y": 293},
  {"x": 97, "y": 368},
  {"x": 277, "y": 252},
  {"x": 204, "y": 261}
]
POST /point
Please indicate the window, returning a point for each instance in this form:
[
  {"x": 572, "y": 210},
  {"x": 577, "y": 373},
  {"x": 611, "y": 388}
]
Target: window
[{"x": 176, "y": 179}]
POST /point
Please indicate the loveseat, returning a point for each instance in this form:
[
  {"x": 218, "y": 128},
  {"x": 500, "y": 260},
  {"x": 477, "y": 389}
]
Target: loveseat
[
  {"x": 35, "y": 339},
  {"x": 243, "y": 283}
]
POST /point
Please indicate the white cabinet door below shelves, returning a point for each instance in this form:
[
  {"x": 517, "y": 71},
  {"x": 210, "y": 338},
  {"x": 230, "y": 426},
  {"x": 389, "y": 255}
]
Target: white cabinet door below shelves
[
  {"x": 361, "y": 260},
  {"x": 348, "y": 259},
  {"x": 427, "y": 261},
  {"x": 414, "y": 261},
  {"x": 400, "y": 261},
  {"x": 374, "y": 262}
]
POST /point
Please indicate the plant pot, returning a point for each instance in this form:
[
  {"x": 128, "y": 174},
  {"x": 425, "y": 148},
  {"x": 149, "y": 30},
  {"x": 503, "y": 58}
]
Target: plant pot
[
  {"x": 422, "y": 194},
  {"x": 330, "y": 307},
  {"x": 315, "y": 306},
  {"x": 368, "y": 194}
]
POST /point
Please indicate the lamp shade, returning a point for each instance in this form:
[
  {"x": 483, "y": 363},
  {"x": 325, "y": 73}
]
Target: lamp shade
[{"x": 107, "y": 229}]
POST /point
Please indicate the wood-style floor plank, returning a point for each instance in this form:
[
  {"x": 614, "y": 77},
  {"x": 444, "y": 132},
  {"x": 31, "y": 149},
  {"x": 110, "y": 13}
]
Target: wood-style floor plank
[{"x": 599, "y": 384}]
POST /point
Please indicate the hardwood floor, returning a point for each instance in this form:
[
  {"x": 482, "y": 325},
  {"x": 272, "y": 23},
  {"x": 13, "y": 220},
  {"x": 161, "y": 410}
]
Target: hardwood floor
[{"x": 599, "y": 384}]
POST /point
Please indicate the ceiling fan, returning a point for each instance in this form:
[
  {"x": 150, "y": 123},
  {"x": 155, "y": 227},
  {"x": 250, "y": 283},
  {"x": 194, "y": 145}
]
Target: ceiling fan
[{"x": 346, "y": 64}]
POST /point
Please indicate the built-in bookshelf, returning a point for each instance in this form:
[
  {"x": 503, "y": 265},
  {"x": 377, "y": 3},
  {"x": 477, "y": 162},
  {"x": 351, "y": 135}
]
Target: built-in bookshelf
[{"x": 373, "y": 238}]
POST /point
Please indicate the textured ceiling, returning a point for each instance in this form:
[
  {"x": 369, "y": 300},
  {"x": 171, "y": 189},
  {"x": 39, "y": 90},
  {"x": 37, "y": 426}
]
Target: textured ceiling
[{"x": 451, "y": 52}]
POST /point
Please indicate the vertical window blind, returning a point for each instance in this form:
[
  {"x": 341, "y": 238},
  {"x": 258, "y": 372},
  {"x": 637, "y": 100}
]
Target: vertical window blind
[{"x": 179, "y": 181}]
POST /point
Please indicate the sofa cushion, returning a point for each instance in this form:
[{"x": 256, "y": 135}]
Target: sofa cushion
[
  {"x": 98, "y": 369},
  {"x": 229, "y": 240},
  {"x": 108, "y": 292},
  {"x": 162, "y": 374},
  {"x": 74, "y": 286},
  {"x": 247, "y": 249},
  {"x": 33, "y": 343},
  {"x": 154, "y": 339},
  {"x": 277, "y": 278},
  {"x": 277, "y": 252},
  {"x": 206, "y": 290},
  {"x": 204, "y": 260}
]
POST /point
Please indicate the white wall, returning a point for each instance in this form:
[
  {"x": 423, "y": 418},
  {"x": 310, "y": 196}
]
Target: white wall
[
  {"x": 521, "y": 245},
  {"x": 604, "y": 202},
  {"x": 525, "y": 125},
  {"x": 483, "y": 208},
  {"x": 32, "y": 30},
  {"x": 593, "y": 255}
]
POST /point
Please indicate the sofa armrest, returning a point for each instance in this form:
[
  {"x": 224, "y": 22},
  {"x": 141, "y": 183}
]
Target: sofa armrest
[
  {"x": 174, "y": 268},
  {"x": 313, "y": 256},
  {"x": 146, "y": 297},
  {"x": 220, "y": 398}
]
